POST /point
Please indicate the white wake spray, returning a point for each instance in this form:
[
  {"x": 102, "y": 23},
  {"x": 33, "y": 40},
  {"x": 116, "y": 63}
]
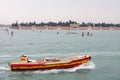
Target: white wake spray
[
  {"x": 89, "y": 65},
  {"x": 4, "y": 68}
]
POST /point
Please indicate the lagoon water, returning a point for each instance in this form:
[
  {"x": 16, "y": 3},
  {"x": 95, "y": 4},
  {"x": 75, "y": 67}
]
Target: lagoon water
[{"x": 103, "y": 46}]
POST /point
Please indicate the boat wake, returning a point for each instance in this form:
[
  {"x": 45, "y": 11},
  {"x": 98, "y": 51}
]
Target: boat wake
[
  {"x": 89, "y": 65},
  {"x": 4, "y": 68}
]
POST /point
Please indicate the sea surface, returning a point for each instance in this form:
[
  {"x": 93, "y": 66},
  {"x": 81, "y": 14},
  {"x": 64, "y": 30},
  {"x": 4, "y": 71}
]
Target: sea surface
[{"x": 102, "y": 45}]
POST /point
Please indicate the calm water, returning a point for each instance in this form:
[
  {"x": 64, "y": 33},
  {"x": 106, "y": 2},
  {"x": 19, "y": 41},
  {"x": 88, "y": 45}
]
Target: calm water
[{"x": 103, "y": 46}]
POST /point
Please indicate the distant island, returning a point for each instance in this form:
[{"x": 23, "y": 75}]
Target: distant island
[{"x": 66, "y": 25}]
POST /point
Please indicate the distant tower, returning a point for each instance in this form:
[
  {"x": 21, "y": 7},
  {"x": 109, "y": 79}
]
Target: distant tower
[{"x": 16, "y": 24}]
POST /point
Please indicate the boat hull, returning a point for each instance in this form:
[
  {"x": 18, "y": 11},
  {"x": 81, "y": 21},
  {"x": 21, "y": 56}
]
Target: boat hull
[{"x": 32, "y": 66}]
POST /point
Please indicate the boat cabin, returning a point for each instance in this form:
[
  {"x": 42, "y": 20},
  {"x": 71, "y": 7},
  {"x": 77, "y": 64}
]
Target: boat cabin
[{"x": 23, "y": 58}]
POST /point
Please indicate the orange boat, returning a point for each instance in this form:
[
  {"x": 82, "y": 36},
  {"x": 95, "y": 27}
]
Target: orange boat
[{"x": 48, "y": 63}]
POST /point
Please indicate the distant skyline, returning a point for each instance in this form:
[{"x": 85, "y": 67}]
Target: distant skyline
[{"x": 59, "y": 10}]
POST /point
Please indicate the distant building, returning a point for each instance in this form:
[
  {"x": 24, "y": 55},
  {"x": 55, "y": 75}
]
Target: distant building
[{"x": 74, "y": 25}]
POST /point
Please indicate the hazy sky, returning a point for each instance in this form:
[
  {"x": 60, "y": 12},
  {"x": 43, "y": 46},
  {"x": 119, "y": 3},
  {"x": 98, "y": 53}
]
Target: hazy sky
[{"x": 59, "y": 10}]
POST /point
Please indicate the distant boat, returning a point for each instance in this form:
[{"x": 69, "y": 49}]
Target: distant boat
[{"x": 48, "y": 63}]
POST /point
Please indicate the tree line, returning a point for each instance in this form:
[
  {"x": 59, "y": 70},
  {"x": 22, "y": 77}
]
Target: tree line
[
  {"x": 83, "y": 24},
  {"x": 64, "y": 24}
]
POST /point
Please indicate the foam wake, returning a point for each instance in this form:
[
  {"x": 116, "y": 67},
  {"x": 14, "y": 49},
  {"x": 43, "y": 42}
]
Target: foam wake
[
  {"x": 89, "y": 65},
  {"x": 4, "y": 68}
]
